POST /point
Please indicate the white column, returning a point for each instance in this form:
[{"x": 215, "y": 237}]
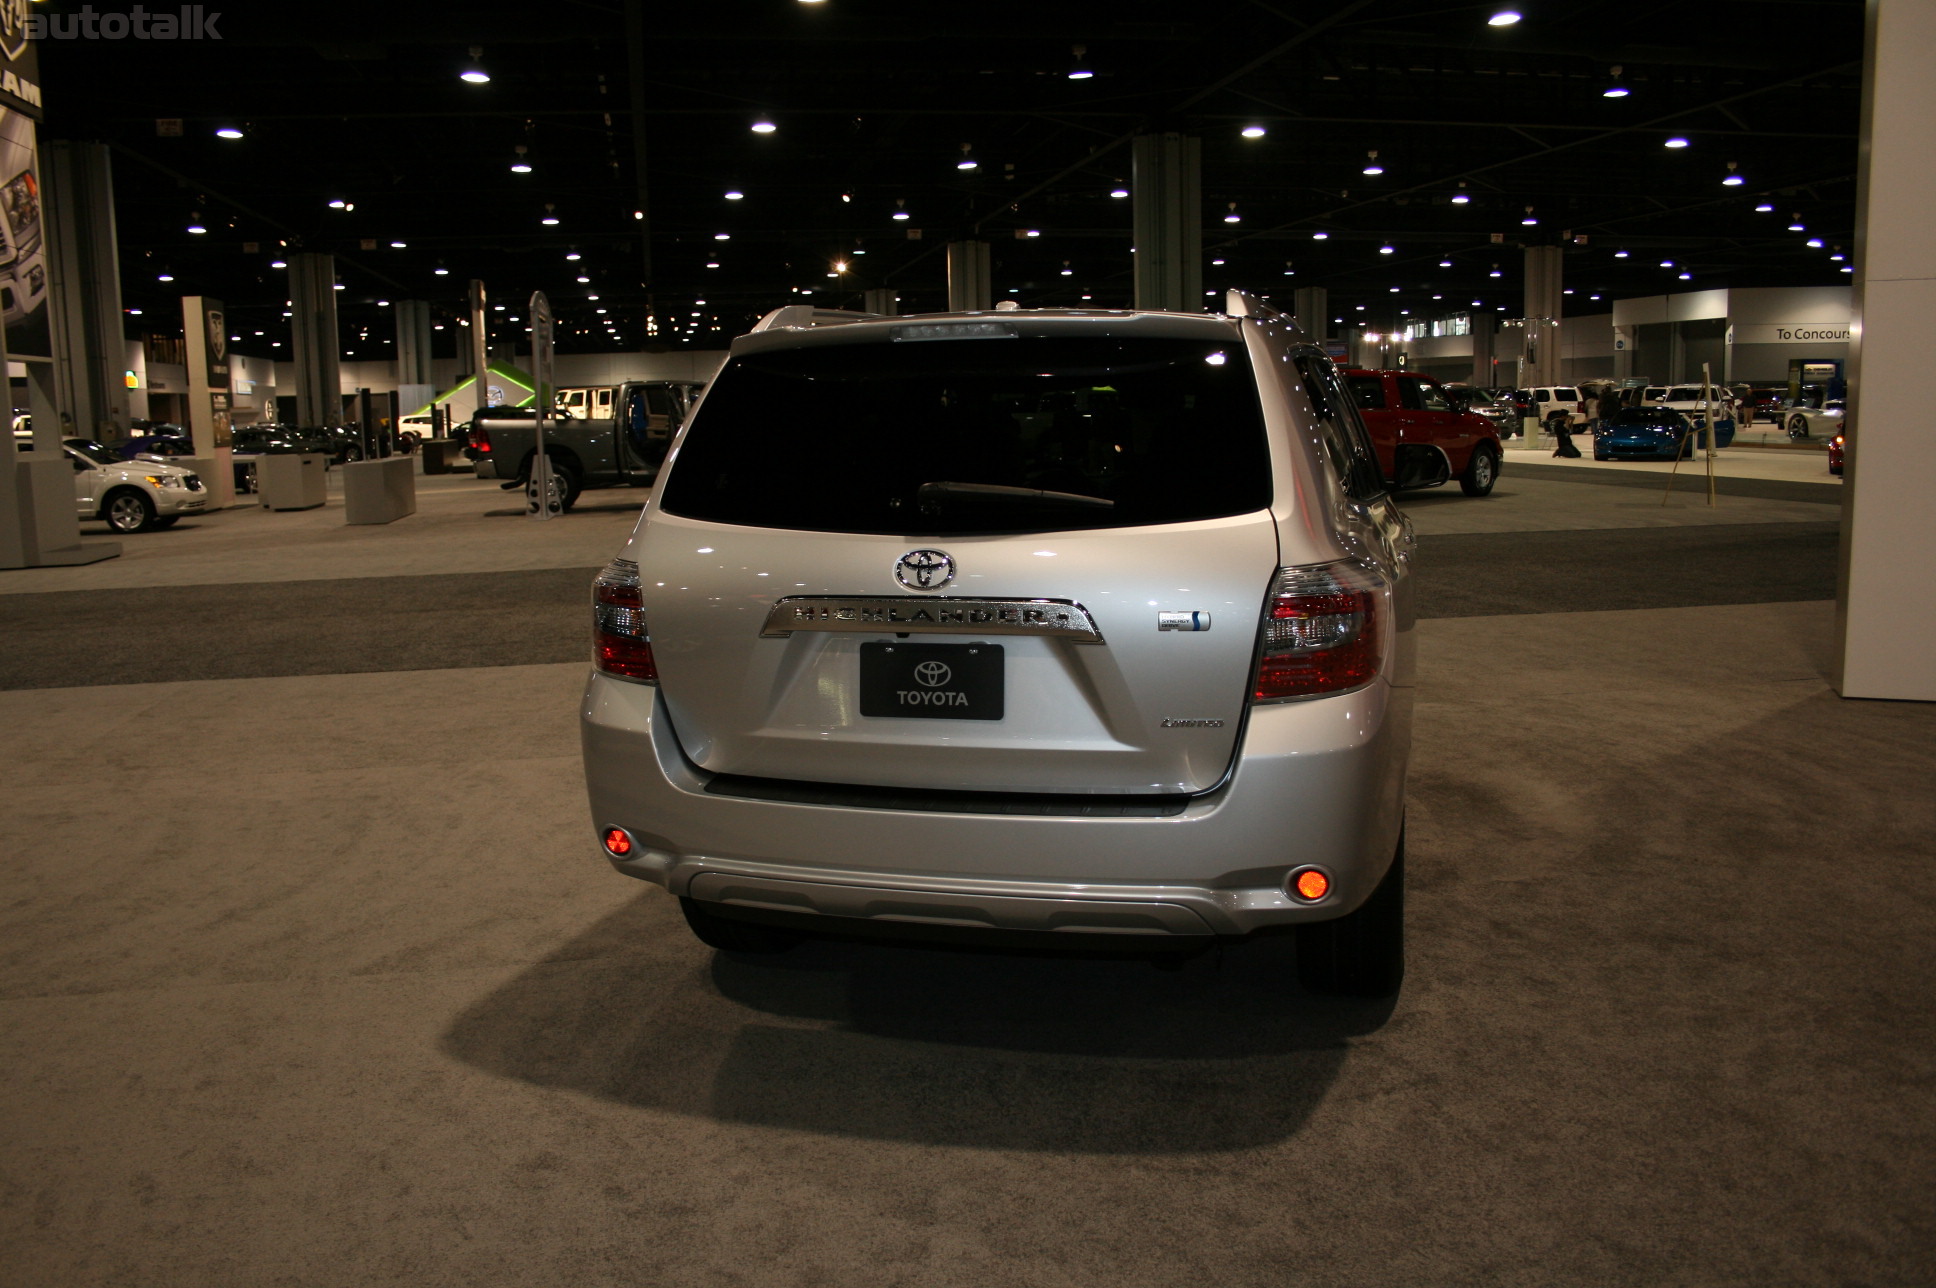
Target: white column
[
  {"x": 1168, "y": 221},
  {"x": 1886, "y": 599},
  {"x": 970, "y": 286}
]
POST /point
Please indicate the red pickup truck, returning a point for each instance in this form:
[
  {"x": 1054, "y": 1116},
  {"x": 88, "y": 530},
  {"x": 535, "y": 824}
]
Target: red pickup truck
[{"x": 1423, "y": 434}]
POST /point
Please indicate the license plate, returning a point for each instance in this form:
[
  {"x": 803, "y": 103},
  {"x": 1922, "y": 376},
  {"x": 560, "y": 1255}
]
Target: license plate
[{"x": 931, "y": 681}]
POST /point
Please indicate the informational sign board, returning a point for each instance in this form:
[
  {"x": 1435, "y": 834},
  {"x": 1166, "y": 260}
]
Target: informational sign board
[
  {"x": 23, "y": 254},
  {"x": 544, "y": 499}
]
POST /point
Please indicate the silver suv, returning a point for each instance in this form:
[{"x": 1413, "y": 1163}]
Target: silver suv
[{"x": 1066, "y": 624}]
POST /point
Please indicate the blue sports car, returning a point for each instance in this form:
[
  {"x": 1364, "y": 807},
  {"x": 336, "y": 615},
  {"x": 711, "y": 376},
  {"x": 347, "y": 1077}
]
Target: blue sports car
[{"x": 1652, "y": 434}]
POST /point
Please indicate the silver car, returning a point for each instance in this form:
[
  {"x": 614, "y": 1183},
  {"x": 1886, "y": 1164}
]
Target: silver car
[{"x": 1065, "y": 624}]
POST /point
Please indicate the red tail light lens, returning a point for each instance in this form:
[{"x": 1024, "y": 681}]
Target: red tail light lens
[
  {"x": 481, "y": 439},
  {"x": 1321, "y": 632},
  {"x": 621, "y": 645}
]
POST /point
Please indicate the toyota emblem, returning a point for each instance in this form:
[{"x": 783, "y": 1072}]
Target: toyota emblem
[
  {"x": 933, "y": 674},
  {"x": 925, "y": 569}
]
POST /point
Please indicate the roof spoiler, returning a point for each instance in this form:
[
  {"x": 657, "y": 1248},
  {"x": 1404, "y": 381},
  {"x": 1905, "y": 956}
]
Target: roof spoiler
[
  {"x": 805, "y": 315},
  {"x": 1242, "y": 304}
]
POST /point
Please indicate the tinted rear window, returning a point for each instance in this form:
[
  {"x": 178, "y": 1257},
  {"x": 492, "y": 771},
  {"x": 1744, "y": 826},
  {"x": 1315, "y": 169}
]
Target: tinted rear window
[{"x": 985, "y": 435}]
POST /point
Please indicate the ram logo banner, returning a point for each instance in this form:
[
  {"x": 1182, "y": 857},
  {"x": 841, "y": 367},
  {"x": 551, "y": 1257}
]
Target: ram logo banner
[{"x": 189, "y": 22}]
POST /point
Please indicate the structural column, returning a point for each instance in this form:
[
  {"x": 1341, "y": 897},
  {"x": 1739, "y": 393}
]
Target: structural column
[
  {"x": 1888, "y": 554},
  {"x": 319, "y": 380},
  {"x": 883, "y": 300},
  {"x": 1542, "y": 317},
  {"x": 1313, "y": 305},
  {"x": 1168, "y": 221},
  {"x": 414, "y": 384},
  {"x": 90, "y": 351},
  {"x": 969, "y": 284},
  {"x": 1482, "y": 349}
]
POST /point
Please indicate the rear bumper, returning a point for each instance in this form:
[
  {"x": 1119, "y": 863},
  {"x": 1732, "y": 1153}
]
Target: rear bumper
[{"x": 1317, "y": 783}]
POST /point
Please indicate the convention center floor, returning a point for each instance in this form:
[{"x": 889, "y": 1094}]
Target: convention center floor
[{"x": 311, "y": 973}]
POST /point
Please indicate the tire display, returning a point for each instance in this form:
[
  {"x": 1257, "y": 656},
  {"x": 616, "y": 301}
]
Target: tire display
[{"x": 127, "y": 510}]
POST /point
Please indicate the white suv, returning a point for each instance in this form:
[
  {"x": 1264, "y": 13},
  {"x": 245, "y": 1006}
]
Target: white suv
[
  {"x": 131, "y": 496},
  {"x": 1067, "y": 624},
  {"x": 1550, "y": 402}
]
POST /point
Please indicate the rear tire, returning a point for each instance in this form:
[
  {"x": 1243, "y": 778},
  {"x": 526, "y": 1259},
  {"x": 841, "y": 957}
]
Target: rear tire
[
  {"x": 729, "y": 936},
  {"x": 1481, "y": 472},
  {"x": 1361, "y": 954}
]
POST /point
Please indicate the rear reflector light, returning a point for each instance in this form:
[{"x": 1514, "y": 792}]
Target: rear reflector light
[
  {"x": 1309, "y": 884},
  {"x": 618, "y": 842},
  {"x": 1321, "y": 632},
  {"x": 620, "y": 644}
]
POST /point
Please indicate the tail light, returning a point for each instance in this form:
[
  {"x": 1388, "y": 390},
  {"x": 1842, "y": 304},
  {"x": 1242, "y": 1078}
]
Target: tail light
[
  {"x": 481, "y": 439},
  {"x": 1322, "y": 632},
  {"x": 620, "y": 644}
]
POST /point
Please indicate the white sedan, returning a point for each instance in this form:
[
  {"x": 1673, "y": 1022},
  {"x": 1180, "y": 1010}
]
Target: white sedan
[{"x": 131, "y": 496}]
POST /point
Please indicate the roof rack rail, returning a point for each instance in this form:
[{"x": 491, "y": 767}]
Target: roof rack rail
[
  {"x": 804, "y": 315},
  {"x": 1242, "y": 304}
]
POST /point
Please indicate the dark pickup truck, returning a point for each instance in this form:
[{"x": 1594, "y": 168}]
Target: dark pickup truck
[{"x": 622, "y": 450}]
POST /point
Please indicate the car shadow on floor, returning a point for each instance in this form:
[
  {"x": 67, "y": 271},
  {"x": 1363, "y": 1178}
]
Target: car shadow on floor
[{"x": 933, "y": 1045}]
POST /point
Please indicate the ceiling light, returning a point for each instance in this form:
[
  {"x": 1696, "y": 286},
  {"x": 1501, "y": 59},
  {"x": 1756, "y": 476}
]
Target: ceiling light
[
  {"x": 1032, "y": 232},
  {"x": 1495, "y": 272},
  {"x": 338, "y": 204},
  {"x": 1667, "y": 263},
  {"x": 1764, "y": 209},
  {"x": 1460, "y": 197},
  {"x": 1529, "y": 221},
  {"x": 1620, "y": 254},
  {"x": 1371, "y": 163},
  {"x": 1319, "y": 236},
  {"x": 396, "y": 245},
  {"x": 164, "y": 277},
  {"x": 518, "y": 164},
  {"x": 1733, "y": 180},
  {"x": 1503, "y": 18},
  {"x": 1847, "y": 269},
  {"x": 899, "y": 213},
  {"x": 1687, "y": 277},
  {"x": 712, "y": 263},
  {"x": 441, "y": 271},
  {"x": 763, "y": 126},
  {"x": 1816, "y": 242},
  {"x": 196, "y": 228},
  {"x": 1797, "y": 226},
  {"x": 1386, "y": 249},
  {"x": 474, "y": 72},
  {"x": 1233, "y": 217},
  {"x": 1676, "y": 142},
  {"x": 967, "y": 161},
  {"x": 1445, "y": 263},
  {"x": 1836, "y": 258},
  {"x": 1215, "y": 262},
  {"x": 549, "y": 221},
  {"x": 1081, "y": 70},
  {"x": 1119, "y": 193},
  {"x": 1615, "y": 90},
  {"x": 228, "y": 132},
  {"x": 734, "y": 194},
  {"x": 573, "y": 256},
  {"x": 722, "y": 237},
  {"x": 277, "y": 263},
  {"x": 1254, "y": 131},
  {"x": 583, "y": 278}
]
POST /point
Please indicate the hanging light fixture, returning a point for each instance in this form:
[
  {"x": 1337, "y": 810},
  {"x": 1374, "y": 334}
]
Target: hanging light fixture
[
  {"x": 1732, "y": 180},
  {"x": 519, "y": 165},
  {"x": 1254, "y": 131},
  {"x": 474, "y": 72},
  {"x": 1616, "y": 90},
  {"x": 1461, "y": 197},
  {"x": 1080, "y": 69},
  {"x": 1530, "y": 220},
  {"x": 550, "y": 220},
  {"x": 1371, "y": 163},
  {"x": 967, "y": 161},
  {"x": 900, "y": 210},
  {"x": 1233, "y": 217}
]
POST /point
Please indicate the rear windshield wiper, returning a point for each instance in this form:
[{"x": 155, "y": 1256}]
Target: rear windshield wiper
[{"x": 997, "y": 495}]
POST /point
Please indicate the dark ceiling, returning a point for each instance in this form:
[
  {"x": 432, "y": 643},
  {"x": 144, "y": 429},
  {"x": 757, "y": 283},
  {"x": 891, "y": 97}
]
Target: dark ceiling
[{"x": 647, "y": 107}]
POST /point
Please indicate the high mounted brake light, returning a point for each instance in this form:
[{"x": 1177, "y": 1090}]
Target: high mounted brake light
[
  {"x": 621, "y": 645},
  {"x": 1321, "y": 632}
]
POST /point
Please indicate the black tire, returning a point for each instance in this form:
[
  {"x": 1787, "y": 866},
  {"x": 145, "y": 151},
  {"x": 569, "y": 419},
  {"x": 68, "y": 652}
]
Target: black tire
[
  {"x": 1481, "y": 472},
  {"x": 1601, "y": 456},
  {"x": 167, "y": 521},
  {"x": 1798, "y": 427},
  {"x": 128, "y": 510},
  {"x": 1361, "y": 954},
  {"x": 729, "y": 936}
]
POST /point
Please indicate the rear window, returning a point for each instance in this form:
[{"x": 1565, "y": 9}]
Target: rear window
[{"x": 984, "y": 435}]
